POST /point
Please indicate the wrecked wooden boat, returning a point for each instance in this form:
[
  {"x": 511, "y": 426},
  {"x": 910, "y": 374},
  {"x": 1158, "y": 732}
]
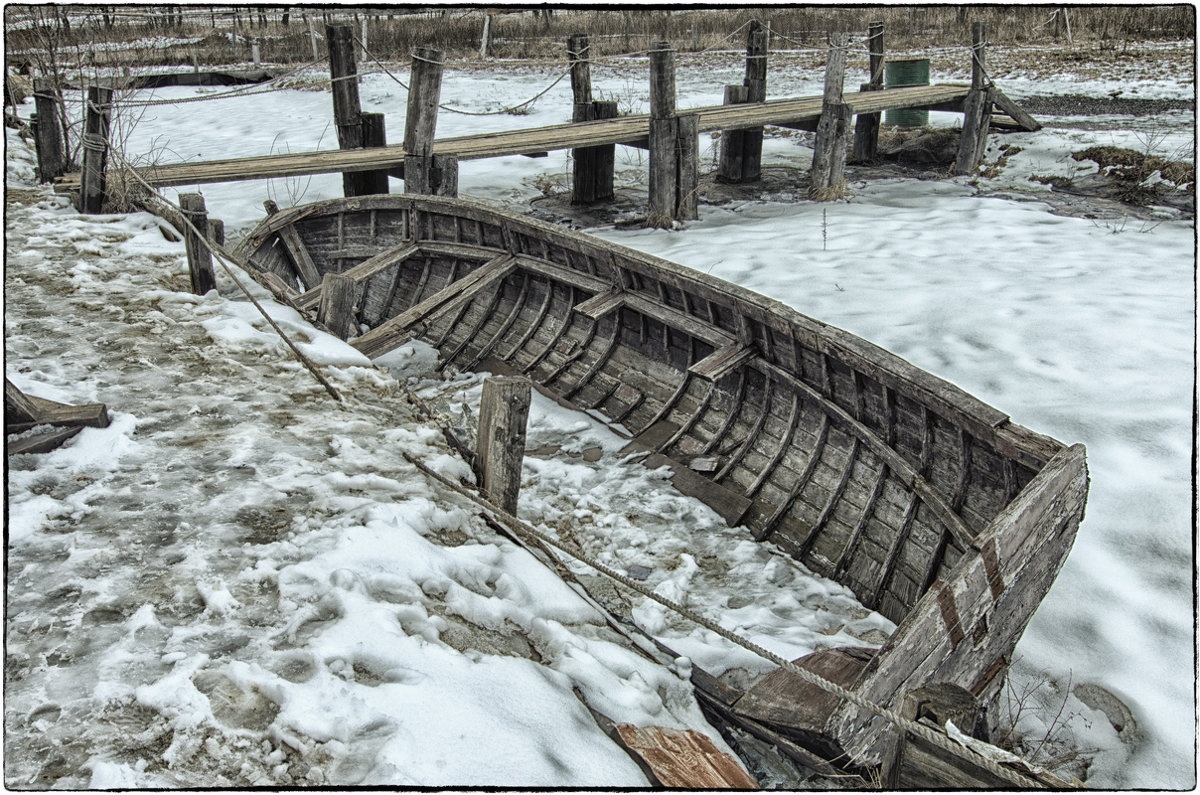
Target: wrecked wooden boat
[{"x": 934, "y": 508}]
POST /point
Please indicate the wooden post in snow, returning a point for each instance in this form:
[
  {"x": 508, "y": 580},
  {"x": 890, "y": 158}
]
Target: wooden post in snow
[
  {"x": 374, "y": 134},
  {"x": 592, "y": 166},
  {"x": 741, "y": 150},
  {"x": 312, "y": 35},
  {"x": 47, "y": 133},
  {"x": 200, "y": 265},
  {"x": 347, "y": 111},
  {"x": 500, "y": 445},
  {"x": 663, "y": 169},
  {"x": 687, "y": 147},
  {"x": 95, "y": 149},
  {"x": 339, "y": 296},
  {"x": 486, "y": 37},
  {"x": 977, "y": 110},
  {"x": 866, "y": 130},
  {"x": 829, "y": 153},
  {"x": 729, "y": 169},
  {"x": 420, "y": 121}
]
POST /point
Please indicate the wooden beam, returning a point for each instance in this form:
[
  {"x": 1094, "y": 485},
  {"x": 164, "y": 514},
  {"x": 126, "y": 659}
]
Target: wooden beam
[
  {"x": 95, "y": 149},
  {"x": 420, "y": 122},
  {"x": 47, "y": 132},
  {"x": 662, "y": 128},
  {"x": 722, "y": 361},
  {"x": 500, "y": 443},
  {"x": 602, "y": 304},
  {"x": 305, "y": 267},
  {"x": 1018, "y": 114},
  {"x": 362, "y": 271},
  {"x": 339, "y": 295},
  {"x": 866, "y": 130},
  {"x": 18, "y": 408},
  {"x": 394, "y": 332}
]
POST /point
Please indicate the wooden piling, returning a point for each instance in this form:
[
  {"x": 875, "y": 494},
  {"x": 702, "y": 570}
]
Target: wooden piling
[
  {"x": 829, "y": 153},
  {"x": 866, "y": 130},
  {"x": 95, "y": 149},
  {"x": 47, "y": 132},
  {"x": 420, "y": 121},
  {"x": 500, "y": 444},
  {"x": 977, "y": 110},
  {"x": 687, "y": 205},
  {"x": 444, "y": 175},
  {"x": 729, "y": 168},
  {"x": 374, "y": 134},
  {"x": 578, "y": 59},
  {"x": 756, "y": 91},
  {"x": 339, "y": 296},
  {"x": 662, "y": 139},
  {"x": 200, "y": 264},
  {"x": 592, "y": 166},
  {"x": 347, "y": 110}
]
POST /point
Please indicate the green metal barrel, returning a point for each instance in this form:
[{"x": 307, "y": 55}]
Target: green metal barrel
[{"x": 898, "y": 74}]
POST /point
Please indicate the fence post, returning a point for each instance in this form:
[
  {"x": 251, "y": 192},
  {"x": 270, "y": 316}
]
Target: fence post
[
  {"x": 485, "y": 38},
  {"x": 663, "y": 169},
  {"x": 47, "y": 133},
  {"x": 866, "y": 130},
  {"x": 95, "y": 149},
  {"x": 977, "y": 110},
  {"x": 312, "y": 35},
  {"x": 420, "y": 121},
  {"x": 500, "y": 443},
  {"x": 829, "y": 153},
  {"x": 339, "y": 295},
  {"x": 347, "y": 111},
  {"x": 200, "y": 264}
]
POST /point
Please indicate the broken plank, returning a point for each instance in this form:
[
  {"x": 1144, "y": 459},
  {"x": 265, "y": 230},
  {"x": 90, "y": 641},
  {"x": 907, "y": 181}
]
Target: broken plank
[
  {"x": 394, "y": 332},
  {"x": 305, "y": 267},
  {"x": 1018, "y": 114},
  {"x": 722, "y": 362},
  {"x": 41, "y": 442},
  {"x": 17, "y": 405},
  {"x": 683, "y": 758},
  {"x": 50, "y": 412},
  {"x": 600, "y": 305},
  {"x": 362, "y": 271}
]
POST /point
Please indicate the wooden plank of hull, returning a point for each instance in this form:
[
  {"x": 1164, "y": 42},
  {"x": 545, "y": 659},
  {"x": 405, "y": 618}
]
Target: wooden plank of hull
[{"x": 361, "y": 272}]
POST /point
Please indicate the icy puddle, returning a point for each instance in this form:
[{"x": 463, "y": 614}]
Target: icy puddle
[{"x": 578, "y": 485}]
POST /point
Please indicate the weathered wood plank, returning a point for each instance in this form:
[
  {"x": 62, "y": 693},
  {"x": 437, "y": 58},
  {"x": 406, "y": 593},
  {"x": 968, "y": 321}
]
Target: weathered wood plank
[
  {"x": 363, "y": 271},
  {"x": 684, "y": 758},
  {"x": 40, "y": 442},
  {"x": 339, "y": 297},
  {"x": 306, "y": 269}
]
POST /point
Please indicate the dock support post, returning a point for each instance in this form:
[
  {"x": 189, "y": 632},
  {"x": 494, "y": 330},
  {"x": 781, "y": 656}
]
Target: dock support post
[
  {"x": 200, "y": 264},
  {"x": 829, "y": 153},
  {"x": 687, "y": 206},
  {"x": 663, "y": 127},
  {"x": 47, "y": 133},
  {"x": 592, "y": 166},
  {"x": 443, "y": 175},
  {"x": 339, "y": 295},
  {"x": 977, "y": 110},
  {"x": 866, "y": 130},
  {"x": 374, "y": 134},
  {"x": 420, "y": 121},
  {"x": 95, "y": 149},
  {"x": 500, "y": 445},
  {"x": 741, "y": 150},
  {"x": 347, "y": 111}
]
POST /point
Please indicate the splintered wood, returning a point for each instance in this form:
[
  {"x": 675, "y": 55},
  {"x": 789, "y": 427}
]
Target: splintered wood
[{"x": 684, "y": 759}]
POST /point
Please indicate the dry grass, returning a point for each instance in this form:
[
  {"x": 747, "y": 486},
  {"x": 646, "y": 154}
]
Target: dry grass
[{"x": 222, "y": 34}]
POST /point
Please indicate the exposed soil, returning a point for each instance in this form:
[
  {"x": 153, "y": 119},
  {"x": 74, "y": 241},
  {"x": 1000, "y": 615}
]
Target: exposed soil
[{"x": 1079, "y": 105}]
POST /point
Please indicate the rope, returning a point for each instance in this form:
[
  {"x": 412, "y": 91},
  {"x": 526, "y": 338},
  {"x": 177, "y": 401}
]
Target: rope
[
  {"x": 94, "y": 142},
  {"x": 222, "y": 255},
  {"x": 940, "y": 740},
  {"x": 976, "y": 59},
  {"x": 415, "y": 57}
]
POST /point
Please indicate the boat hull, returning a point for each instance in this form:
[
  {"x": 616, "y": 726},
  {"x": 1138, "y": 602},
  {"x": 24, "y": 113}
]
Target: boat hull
[{"x": 931, "y": 506}]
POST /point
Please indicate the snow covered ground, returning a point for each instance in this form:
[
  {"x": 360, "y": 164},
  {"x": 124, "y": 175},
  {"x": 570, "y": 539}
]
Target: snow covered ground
[{"x": 241, "y": 582}]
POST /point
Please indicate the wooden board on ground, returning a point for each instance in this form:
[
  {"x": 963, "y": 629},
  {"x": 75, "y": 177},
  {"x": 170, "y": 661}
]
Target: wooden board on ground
[{"x": 684, "y": 759}]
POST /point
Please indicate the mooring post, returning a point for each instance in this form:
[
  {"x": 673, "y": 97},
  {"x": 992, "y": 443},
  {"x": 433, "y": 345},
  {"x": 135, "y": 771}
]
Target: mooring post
[
  {"x": 339, "y": 296},
  {"x": 200, "y": 264},
  {"x": 977, "y": 110},
  {"x": 420, "y": 121},
  {"x": 687, "y": 145},
  {"x": 95, "y": 149},
  {"x": 374, "y": 134},
  {"x": 47, "y": 133},
  {"x": 663, "y": 168},
  {"x": 592, "y": 166},
  {"x": 866, "y": 130},
  {"x": 829, "y": 152},
  {"x": 500, "y": 444}
]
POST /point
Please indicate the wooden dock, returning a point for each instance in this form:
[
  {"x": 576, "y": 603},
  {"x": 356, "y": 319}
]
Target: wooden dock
[{"x": 802, "y": 113}]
